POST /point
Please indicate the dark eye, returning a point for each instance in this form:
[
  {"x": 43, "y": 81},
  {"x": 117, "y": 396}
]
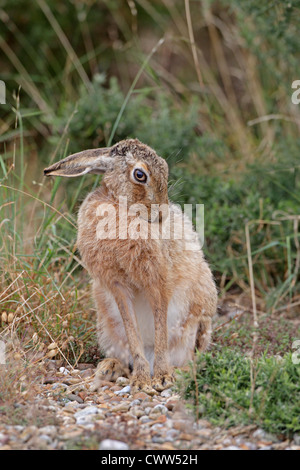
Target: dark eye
[{"x": 140, "y": 176}]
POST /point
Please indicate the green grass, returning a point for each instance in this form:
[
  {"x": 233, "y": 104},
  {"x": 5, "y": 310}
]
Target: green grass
[{"x": 224, "y": 387}]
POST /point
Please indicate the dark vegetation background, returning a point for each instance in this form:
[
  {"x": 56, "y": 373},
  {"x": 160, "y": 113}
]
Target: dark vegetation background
[{"x": 205, "y": 83}]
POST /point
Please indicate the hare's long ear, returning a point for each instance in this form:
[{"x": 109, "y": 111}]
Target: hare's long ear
[{"x": 96, "y": 161}]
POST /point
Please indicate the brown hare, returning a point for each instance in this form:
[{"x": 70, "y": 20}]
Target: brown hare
[{"x": 155, "y": 298}]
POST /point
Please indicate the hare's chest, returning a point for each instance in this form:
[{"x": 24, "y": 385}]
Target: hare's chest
[{"x": 143, "y": 262}]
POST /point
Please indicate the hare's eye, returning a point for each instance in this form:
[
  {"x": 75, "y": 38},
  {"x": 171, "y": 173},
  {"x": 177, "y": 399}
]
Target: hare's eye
[{"x": 140, "y": 176}]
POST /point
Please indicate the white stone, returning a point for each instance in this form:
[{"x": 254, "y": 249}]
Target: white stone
[
  {"x": 110, "y": 444},
  {"x": 86, "y": 415},
  {"x": 123, "y": 391},
  {"x": 167, "y": 393},
  {"x": 160, "y": 409}
]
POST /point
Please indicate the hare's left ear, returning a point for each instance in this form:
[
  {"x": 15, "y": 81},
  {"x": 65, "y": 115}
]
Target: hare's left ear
[{"x": 95, "y": 161}]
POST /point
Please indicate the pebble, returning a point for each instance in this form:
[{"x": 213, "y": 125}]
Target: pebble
[
  {"x": 166, "y": 393},
  {"x": 115, "y": 388},
  {"x": 161, "y": 409},
  {"x": 135, "y": 402},
  {"x": 171, "y": 403},
  {"x": 145, "y": 419},
  {"x": 204, "y": 433},
  {"x": 123, "y": 391},
  {"x": 158, "y": 440},
  {"x": 88, "y": 410},
  {"x": 59, "y": 385},
  {"x": 73, "y": 397},
  {"x": 262, "y": 435},
  {"x": 148, "y": 410},
  {"x": 68, "y": 420},
  {"x": 3, "y": 439},
  {"x": 87, "y": 415},
  {"x": 48, "y": 430},
  {"x": 297, "y": 439},
  {"x": 46, "y": 438},
  {"x": 110, "y": 444},
  {"x": 141, "y": 396},
  {"x": 120, "y": 408},
  {"x": 85, "y": 374},
  {"x": 137, "y": 411},
  {"x": 71, "y": 406},
  {"x": 172, "y": 434}
]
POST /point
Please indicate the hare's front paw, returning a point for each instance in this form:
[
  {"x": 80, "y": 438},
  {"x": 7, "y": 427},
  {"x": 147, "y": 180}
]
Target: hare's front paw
[
  {"x": 142, "y": 384},
  {"x": 110, "y": 369},
  {"x": 162, "y": 381}
]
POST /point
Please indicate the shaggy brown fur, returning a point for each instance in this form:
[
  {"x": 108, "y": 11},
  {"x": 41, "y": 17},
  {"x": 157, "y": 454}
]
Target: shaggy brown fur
[{"x": 155, "y": 298}]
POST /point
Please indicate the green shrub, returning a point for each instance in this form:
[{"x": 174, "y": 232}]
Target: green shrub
[
  {"x": 221, "y": 389},
  {"x": 151, "y": 116}
]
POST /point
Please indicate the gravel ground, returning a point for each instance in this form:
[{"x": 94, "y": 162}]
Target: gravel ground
[{"x": 66, "y": 413}]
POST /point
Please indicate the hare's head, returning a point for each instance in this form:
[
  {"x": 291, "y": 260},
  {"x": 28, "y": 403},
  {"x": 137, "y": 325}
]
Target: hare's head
[{"x": 130, "y": 168}]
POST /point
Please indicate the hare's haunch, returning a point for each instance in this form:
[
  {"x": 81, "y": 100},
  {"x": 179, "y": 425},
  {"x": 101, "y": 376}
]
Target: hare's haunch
[{"x": 154, "y": 291}]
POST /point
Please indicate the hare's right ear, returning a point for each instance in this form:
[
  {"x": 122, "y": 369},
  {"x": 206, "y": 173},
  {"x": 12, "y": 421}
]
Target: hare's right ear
[{"x": 96, "y": 161}]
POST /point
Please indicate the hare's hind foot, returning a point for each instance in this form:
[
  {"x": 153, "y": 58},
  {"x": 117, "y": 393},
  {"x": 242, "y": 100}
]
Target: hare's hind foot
[
  {"x": 163, "y": 381},
  {"x": 110, "y": 369},
  {"x": 203, "y": 336}
]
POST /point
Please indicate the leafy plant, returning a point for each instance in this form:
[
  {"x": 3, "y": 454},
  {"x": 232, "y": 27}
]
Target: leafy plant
[
  {"x": 152, "y": 120},
  {"x": 220, "y": 387}
]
